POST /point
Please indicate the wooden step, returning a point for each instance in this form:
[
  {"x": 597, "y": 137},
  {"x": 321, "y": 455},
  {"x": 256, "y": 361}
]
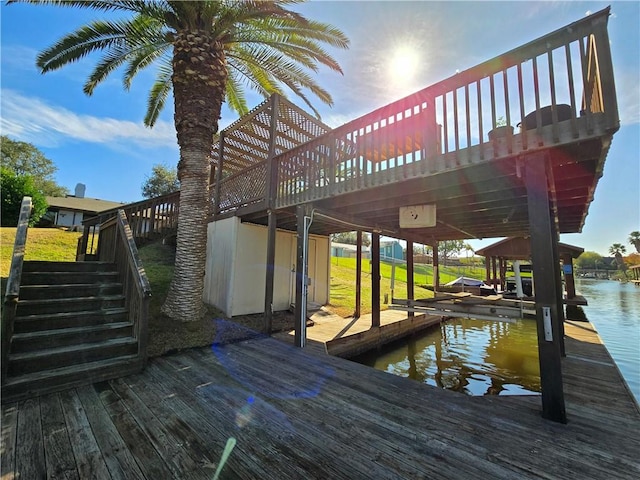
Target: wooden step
[
  {"x": 52, "y": 358},
  {"x": 41, "y": 292},
  {"x": 55, "y": 380},
  {"x": 51, "y": 321},
  {"x": 44, "y": 266},
  {"x": 58, "y": 305},
  {"x": 65, "y": 278},
  {"x": 63, "y": 337}
]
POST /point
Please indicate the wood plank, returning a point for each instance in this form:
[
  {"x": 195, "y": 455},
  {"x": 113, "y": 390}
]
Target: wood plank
[
  {"x": 8, "y": 441},
  {"x": 164, "y": 442},
  {"x": 30, "y": 461},
  {"x": 147, "y": 458},
  {"x": 116, "y": 454},
  {"x": 60, "y": 461},
  {"x": 85, "y": 449}
]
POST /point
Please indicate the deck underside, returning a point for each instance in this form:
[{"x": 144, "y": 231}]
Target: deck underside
[{"x": 295, "y": 414}]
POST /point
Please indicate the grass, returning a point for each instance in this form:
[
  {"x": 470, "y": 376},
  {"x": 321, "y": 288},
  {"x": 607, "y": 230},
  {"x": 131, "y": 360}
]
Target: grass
[
  {"x": 343, "y": 280},
  {"x": 42, "y": 244}
]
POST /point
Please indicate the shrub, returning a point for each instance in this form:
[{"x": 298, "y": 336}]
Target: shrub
[{"x": 12, "y": 188}]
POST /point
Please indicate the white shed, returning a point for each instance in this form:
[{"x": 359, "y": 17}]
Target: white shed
[{"x": 235, "y": 276}]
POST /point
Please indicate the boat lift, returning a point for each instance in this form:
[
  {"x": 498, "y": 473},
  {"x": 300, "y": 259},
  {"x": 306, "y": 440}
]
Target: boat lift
[{"x": 465, "y": 304}]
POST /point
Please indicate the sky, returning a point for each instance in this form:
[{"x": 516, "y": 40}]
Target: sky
[{"x": 396, "y": 48}]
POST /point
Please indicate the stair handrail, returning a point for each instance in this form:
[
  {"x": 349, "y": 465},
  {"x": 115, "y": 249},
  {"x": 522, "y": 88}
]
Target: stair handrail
[
  {"x": 116, "y": 244},
  {"x": 13, "y": 282}
]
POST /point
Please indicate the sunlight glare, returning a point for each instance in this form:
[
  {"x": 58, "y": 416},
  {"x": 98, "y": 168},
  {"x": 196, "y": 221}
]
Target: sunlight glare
[{"x": 404, "y": 65}]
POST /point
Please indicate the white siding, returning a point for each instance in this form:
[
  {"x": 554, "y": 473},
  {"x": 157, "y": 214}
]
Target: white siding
[
  {"x": 236, "y": 268},
  {"x": 68, "y": 218},
  {"x": 220, "y": 265}
]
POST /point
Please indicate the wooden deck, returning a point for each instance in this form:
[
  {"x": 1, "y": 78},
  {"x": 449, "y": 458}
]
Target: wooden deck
[
  {"x": 347, "y": 337},
  {"x": 297, "y": 414}
]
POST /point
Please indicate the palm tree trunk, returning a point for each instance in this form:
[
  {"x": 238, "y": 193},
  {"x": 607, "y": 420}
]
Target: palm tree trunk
[{"x": 199, "y": 77}]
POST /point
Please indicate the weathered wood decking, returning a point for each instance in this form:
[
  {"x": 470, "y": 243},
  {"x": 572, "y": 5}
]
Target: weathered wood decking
[
  {"x": 347, "y": 337},
  {"x": 296, "y": 414}
]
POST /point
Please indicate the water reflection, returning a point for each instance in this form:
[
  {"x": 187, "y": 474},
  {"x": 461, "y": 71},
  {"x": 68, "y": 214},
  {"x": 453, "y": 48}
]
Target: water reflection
[{"x": 475, "y": 357}]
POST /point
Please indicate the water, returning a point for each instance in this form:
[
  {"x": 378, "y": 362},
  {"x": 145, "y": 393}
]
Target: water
[
  {"x": 614, "y": 309},
  {"x": 486, "y": 357},
  {"x": 475, "y": 357}
]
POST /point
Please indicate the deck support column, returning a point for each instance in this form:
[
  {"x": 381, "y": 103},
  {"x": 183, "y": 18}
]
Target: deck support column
[
  {"x": 375, "y": 280},
  {"x": 436, "y": 268},
  {"x": 558, "y": 283},
  {"x": 301, "y": 277},
  {"x": 494, "y": 269},
  {"x": 410, "y": 279},
  {"x": 356, "y": 314},
  {"x": 271, "y": 260},
  {"x": 270, "y": 199},
  {"x": 487, "y": 268},
  {"x": 542, "y": 230},
  {"x": 503, "y": 274},
  {"x": 569, "y": 280}
]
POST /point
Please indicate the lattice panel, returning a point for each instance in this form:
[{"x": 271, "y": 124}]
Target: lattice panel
[{"x": 243, "y": 189}]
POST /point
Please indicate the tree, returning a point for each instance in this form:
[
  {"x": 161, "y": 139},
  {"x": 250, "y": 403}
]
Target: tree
[
  {"x": 590, "y": 260},
  {"x": 617, "y": 250},
  {"x": 162, "y": 181},
  {"x": 12, "y": 189},
  {"x": 351, "y": 238},
  {"x": 447, "y": 248},
  {"x": 207, "y": 52},
  {"x": 634, "y": 239},
  {"x": 23, "y": 158}
]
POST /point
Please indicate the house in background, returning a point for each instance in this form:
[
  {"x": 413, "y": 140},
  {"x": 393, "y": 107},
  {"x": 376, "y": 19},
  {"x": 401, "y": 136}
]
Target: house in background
[
  {"x": 346, "y": 250},
  {"x": 71, "y": 210},
  {"x": 391, "y": 250}
]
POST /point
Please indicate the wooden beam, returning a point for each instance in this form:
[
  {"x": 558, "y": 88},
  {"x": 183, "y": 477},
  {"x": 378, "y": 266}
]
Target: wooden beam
[
  {"x": 375, "y": 279},
  {"x": 269, "y": 284},
  {"x": 410, "y": 279},
  {"x": 356, "y": 314},
  {"x": 542, "y": 238},
  {"x": 300, "y": 322},
  {"x": 436, "y": 267},
  {"x": 558, "y": 285}
]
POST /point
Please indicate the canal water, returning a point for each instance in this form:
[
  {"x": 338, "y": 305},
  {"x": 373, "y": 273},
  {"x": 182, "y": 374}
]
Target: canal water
[{"x": 479, "y": 357}]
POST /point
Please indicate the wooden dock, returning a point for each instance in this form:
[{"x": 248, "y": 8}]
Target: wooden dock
[
  {"x": 298, "y": 414},
  {"x": 347, "y": 337}
]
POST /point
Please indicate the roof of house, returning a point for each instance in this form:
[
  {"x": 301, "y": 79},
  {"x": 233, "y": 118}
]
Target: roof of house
[
  {"x": 519, "y": 248},
  {"x": 386, "y": 243},
  {"x": 90, "y": 205},
  {"x": 348, "y": 246}
]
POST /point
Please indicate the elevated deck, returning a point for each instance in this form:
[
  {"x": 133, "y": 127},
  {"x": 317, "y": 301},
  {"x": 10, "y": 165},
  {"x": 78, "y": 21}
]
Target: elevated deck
[
  {"x": 315, "y": 416},
  {"x": 441, "y": 146}
]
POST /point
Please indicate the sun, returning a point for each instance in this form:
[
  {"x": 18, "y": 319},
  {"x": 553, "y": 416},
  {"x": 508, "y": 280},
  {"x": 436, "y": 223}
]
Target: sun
[{"x": 403, "y": 65}]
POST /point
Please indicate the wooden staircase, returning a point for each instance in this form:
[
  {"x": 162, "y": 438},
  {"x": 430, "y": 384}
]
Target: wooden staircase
[{"x": 71, "y": 327}]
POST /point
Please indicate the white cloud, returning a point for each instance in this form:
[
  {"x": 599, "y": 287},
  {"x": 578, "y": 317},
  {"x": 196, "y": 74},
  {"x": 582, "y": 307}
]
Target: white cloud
[{"x": 33, "y": 120}]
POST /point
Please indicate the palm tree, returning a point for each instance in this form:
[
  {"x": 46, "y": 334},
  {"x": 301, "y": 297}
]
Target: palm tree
[
  {"x": 634, "y": 239},
  {"x": 617, "y": 250},
  {"x": 206, "y": 52}
]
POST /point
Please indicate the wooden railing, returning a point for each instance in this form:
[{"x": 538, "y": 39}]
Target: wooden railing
[
  {"x": 12, "y": 291},
  {"x": 243, "y": 188},
  {"x": 147, "y": 218},
  {"x": 117, "y": 245},
  {"x": 555, "y": 90}
]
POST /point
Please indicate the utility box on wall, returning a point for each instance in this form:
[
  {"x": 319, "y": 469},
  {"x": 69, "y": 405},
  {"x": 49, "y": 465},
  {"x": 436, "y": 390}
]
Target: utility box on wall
[{"x": 235, "y": 275}]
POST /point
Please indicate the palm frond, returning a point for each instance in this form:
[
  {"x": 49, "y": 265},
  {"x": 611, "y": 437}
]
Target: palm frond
[{"x": 158, "y": 94}]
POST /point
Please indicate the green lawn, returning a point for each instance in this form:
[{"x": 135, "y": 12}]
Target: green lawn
[
  {"x": 343, "y": 281},
  {"x": 42, "y": 244}
]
